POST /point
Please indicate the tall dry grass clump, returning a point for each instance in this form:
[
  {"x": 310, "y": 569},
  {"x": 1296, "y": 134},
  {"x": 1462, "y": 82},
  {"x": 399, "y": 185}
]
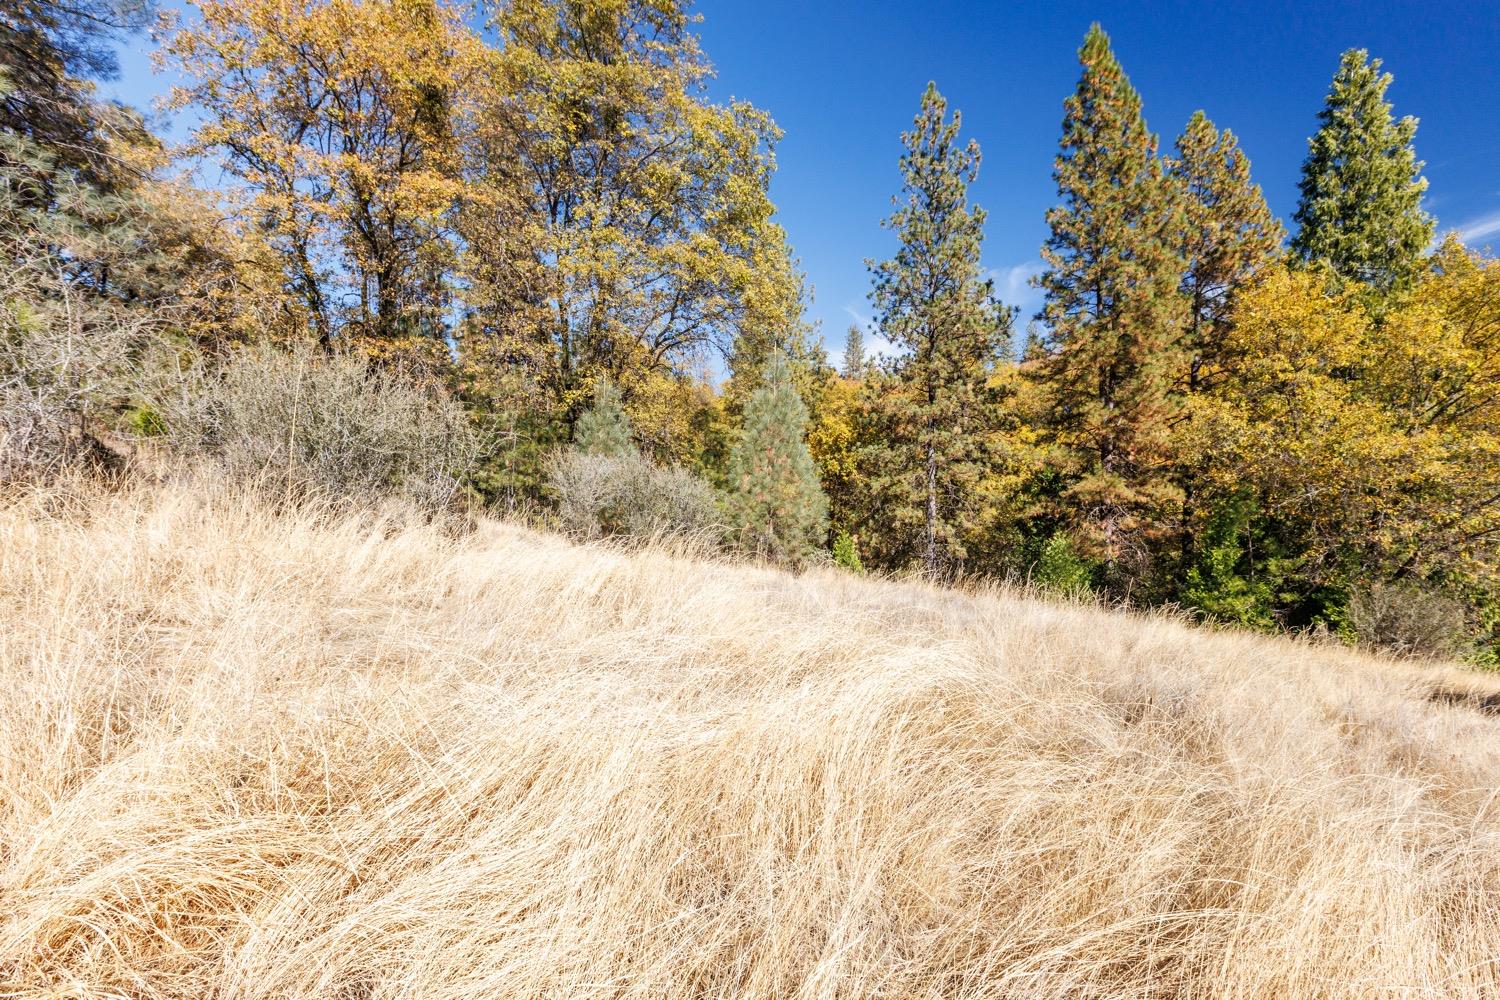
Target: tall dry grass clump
[{"x": 247, "y": 753}]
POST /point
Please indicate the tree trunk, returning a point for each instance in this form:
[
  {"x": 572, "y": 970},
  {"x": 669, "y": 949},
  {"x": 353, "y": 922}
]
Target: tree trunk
[{"x": 930, "y": 558}]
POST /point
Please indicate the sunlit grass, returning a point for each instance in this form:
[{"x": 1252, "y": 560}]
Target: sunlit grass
[{"x": 258, "y": 753}]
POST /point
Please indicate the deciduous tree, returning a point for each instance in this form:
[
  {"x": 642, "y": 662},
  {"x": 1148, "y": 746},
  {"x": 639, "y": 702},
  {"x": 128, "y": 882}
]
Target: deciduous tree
[
  {"x": 339, "y": 116},
  {"x": 643, "y": 236},
  {"x": 1371, "y": 446}
]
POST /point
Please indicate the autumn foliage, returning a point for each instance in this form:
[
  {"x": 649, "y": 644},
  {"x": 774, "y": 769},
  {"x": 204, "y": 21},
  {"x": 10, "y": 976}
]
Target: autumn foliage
[{"x": 533, "y": 214}]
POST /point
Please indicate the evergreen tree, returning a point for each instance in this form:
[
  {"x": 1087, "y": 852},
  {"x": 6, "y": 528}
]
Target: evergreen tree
[
  {"x": 49, "y": 53},
  {"x": 854, "y": 352},
  {"x": 1115, "y": 317},
  {"x": 1228, "y": 234},
  {"x": 604, "y": 429},
  {"x": 935, "y": 305},
  {"x": 1361, "y": 208},
  {"x": 775, "y": 503}
]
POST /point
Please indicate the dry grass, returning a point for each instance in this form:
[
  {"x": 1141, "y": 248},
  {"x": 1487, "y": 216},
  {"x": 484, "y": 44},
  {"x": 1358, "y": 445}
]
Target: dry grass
[{"x": 255, "y": 755}]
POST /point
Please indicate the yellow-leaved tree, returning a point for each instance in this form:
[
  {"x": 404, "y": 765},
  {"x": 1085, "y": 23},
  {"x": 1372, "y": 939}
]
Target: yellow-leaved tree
[
  {"x": 342, "y": 119},
  {"x": 1370, "y": 448},
  {"x": 630, "y": 228}
]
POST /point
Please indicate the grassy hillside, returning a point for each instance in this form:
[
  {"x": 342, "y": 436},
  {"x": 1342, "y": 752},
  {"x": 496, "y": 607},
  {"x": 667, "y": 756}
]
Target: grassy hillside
[{"x": 255, "y": 755}]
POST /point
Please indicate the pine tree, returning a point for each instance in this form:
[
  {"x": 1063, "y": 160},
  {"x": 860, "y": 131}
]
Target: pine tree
[
  {"x": 49, "y": 55},
  {"x": 604, "y": 429},
  {"x": 1227, "y": 235},
  {"x": 776, "y": 504},
  {"x": 1361, "y": 207},
  {"x": 935, "y": 305},
  {"x": 1115, "y": 317},
  {"x": 854, "y": 353}
]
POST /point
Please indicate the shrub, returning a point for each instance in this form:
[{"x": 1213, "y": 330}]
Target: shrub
[
  {"x": 1408, "y": 620},
  {"x": 1060, "y": 569},
  {"x": 612, "y": 496},
  {"x": 846, "y": 553},
  {"x": 69, "y": 355},
  {"x": 1216, "y": 584},
  {"x": 333, "y": 424}
]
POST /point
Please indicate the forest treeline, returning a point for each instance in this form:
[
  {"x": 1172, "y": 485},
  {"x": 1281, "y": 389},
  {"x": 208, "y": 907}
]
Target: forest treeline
[{"x": 503, "y": 251}]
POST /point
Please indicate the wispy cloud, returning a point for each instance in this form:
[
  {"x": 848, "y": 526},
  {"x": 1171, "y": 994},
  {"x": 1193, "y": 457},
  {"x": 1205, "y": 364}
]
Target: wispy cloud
[
  {"x": 860, "y": 318},
  {"x": 876, "y": 346},
  {"x": 1013, "y": 285},
  {"x": 1478, "y": 229}
]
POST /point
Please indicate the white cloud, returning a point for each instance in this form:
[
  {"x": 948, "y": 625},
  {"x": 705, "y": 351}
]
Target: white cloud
[
  {"x": 1478, "y": 229},
  {"x": 1013, "y": 284},
  {"x": 860, "y": 319}
]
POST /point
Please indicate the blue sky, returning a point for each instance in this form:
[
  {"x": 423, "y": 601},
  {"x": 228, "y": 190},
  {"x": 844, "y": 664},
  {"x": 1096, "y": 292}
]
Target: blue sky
[{"x": 843, "y": 80}]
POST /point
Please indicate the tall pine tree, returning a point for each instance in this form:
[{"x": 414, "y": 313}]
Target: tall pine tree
[
  {"x": 1227, "y": 234},
  {"x": 854, "y": 352},
  {"x": 1115, "y": 316},
  {"x": 936, "y": 306},
  {"x": 1361, "y": 208},
  {"x": 775, "y": 502}
]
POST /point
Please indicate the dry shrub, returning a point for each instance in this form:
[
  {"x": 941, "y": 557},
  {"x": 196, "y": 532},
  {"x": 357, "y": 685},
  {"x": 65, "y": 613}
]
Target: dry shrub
[
  {"x": 267, "y": 754},
  {"x": 330, "y": 424},
  {"x": 1409, "y": 621},
  {"x": 600, "y": 496},
  {"x": 69, "y": 360}
]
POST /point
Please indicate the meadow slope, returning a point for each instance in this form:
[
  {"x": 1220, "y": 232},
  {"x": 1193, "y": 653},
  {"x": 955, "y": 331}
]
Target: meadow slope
[{"x": 250, "y": 754}]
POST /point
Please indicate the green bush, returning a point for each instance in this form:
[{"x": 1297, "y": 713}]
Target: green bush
[
  {"x": 846, "y": 553},
  {"x": 146, "y": 421},
  {"x": 1217, "y": 584},
  {"x": 1060, "y": 570}
]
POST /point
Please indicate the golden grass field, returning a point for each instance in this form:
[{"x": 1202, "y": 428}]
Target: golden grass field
[{"x": 256, "y": 754}]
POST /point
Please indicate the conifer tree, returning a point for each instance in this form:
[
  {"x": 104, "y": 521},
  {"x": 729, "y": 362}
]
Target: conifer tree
[
  {"x": 1115, "y": 317},
  {"x": 1228, "y": 234},
  {"x": 937, "y": 307},
  {"x": 49, "y": 55},
  {"x": 604, "y": 429},
  {"x": 1361, "y": 207},
  {"x": 776, "y": 505},
  {"x": 854, "y": 352}
]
